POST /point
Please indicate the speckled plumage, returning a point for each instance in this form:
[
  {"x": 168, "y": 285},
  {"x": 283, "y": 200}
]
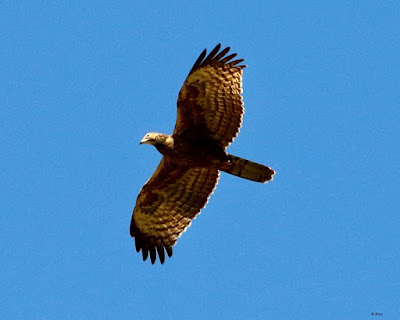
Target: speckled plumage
[{"x": 209, "y": 116}]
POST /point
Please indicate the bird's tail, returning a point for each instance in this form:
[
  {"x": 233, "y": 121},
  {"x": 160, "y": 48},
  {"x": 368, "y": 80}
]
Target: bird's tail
[{"x": 248, "y": 170}]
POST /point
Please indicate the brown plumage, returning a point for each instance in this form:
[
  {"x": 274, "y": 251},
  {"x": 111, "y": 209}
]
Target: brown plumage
[{"x": 210, "y": 109}]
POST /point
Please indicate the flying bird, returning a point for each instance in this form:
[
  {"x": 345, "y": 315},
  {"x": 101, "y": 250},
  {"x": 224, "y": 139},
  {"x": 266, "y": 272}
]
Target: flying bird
[{"x": 209, "y": 117}]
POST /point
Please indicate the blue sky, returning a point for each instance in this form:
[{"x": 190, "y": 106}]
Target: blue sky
[{"x": 82, "y": 82}]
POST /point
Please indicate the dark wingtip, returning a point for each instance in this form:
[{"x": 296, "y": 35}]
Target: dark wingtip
[
  {"x": 169, "y": 251},
  {"x": 161, "y": 253},
  {"x": 234, "y": 63},
  {"x": 223, "y": 53},
  {"x": 216, "y": 59},
  {"x": 152, "y": 250},
  {"x": 198, "y": 61},
  {"x": 214, "y": 52},
  {"x": 153, "y": 254},
  {"x": 145, "y": 253}
]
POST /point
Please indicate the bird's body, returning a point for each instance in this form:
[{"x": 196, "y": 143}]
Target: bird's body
[
  {"x": 183, "y": 152},
  {"x": 210, "y": 109}
]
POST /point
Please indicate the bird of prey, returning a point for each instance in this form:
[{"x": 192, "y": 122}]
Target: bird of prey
[{"x": 209, "y": 116}]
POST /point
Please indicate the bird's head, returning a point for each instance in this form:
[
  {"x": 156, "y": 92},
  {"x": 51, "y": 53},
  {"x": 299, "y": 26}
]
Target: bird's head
[{"x": 154, "y": 138}]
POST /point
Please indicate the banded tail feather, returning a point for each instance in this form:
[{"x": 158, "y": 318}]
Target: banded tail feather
[{"x": 247, "y": 169}]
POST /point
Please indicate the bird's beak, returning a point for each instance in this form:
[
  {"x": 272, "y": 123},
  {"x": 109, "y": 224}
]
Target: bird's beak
[{"x": 143, "y": 141}]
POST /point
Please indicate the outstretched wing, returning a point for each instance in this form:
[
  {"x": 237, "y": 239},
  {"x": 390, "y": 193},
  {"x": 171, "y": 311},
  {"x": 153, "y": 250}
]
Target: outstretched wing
[
  {"x": 210, "y": 104},
  {"x": 166, "y": 206}
]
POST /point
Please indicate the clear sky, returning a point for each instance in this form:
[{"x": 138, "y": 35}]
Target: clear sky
[{"x": 81, "y": 82}]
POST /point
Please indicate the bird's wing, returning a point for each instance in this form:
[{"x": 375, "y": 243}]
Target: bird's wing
[
  {"x": 166, "y": 205},
  {"x": 210, "y": 104}
]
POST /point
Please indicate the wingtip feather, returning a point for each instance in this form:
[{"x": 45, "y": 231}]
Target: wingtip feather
[
  {"x": 153, "y": 255},
  {"x": 161, "y": 253},
  {"x": 169, "y": 251},
  {"x": 145, "y": 254},
  {"x": 216, "y": 58}
]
